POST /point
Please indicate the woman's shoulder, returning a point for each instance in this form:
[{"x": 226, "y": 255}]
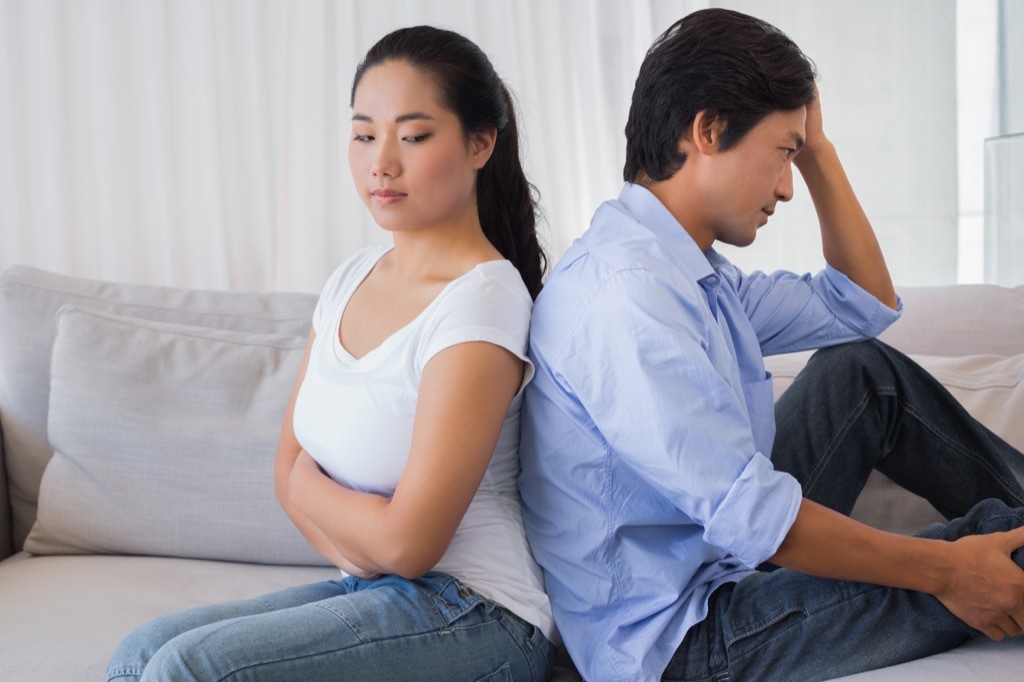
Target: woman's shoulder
[
  {"x": 494, "y": 278},
  {"x": 489, "y": 303},
  {"x": 489, "y": 286}
]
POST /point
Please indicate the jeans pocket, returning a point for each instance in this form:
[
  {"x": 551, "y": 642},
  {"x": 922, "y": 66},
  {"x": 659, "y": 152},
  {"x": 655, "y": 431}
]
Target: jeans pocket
[
  {"x": 502, "y": 674},
  {"x": 457, "y": 604},
  {"x": 763, "y": 605}
]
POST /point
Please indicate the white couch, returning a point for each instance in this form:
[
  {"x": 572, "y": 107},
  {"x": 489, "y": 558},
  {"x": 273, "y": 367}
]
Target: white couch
[{"x": 138, "y": 434}]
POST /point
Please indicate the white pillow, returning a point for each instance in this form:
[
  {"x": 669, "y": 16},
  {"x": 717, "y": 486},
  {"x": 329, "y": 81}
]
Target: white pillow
[
  {"x": 29, "y": 301},
  {"x": 164, "y": 438}
]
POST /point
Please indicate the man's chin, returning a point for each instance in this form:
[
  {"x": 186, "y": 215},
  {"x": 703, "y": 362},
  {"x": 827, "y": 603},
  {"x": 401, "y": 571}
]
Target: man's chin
[{"x": 740, "y": 241}]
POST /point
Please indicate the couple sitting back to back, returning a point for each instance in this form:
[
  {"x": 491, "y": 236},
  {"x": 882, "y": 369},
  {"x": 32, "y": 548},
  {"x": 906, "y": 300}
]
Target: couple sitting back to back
[{"x": 652, "y": 502}]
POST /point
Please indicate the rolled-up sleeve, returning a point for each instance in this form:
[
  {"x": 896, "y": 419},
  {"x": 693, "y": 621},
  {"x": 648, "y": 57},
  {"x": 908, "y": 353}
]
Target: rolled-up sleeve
[
  {"x": 761, "y": 503},
  {"x": 791, "y": 312}
]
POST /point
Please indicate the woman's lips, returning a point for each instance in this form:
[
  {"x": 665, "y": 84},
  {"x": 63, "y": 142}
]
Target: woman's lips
[{"x": 386, "y": 197}]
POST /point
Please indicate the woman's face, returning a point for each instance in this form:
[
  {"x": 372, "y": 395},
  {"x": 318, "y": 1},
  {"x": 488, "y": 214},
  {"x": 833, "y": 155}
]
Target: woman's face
[{"x": 411, "y": 162}]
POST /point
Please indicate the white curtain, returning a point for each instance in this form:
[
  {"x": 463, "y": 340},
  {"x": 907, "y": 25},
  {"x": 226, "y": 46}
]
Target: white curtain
[{"x": 203, "y": 144}]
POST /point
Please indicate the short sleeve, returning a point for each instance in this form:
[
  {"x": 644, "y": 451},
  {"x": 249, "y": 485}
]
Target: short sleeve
[{"x": 490, "y": 304}]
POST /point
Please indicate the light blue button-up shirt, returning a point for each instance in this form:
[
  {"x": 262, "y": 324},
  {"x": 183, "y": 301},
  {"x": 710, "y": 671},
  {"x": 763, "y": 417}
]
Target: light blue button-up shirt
[{"x": 648, "y": 428}]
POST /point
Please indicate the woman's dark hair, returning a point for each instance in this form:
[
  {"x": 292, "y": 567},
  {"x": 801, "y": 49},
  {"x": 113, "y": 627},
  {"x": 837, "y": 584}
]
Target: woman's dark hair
[
  {"x": 470, "y": 88},
  {"x": 737, "y": 67}
]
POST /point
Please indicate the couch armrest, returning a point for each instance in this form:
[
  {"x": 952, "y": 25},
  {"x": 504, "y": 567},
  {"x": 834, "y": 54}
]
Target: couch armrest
[{"x": 6, "y": 539}]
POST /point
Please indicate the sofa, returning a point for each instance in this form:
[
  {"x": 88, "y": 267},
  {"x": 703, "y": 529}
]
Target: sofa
[{"x": 138, "y": 432}]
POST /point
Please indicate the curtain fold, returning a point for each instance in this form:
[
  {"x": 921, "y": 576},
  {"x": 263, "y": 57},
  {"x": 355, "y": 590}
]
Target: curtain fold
[{"x": 190, "y": 143}]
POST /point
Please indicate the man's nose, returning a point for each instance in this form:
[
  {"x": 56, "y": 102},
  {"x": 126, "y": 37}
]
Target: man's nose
[{"x": 784, "y": 190}]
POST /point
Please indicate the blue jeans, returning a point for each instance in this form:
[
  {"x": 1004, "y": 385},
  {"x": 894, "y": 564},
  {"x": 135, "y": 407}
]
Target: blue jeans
[
  {"x": 854, "y": 408},
  {"x": 432, "y": 628}
]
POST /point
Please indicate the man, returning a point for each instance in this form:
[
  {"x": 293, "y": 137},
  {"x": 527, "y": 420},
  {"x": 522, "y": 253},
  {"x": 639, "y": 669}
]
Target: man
[{"x": 658, "y": 478}]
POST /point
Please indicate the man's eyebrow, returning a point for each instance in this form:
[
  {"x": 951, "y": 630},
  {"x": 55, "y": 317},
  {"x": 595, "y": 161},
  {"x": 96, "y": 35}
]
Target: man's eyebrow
[
  {"x": 411, "y": 116},
  {"x": 798, "y": 140}
]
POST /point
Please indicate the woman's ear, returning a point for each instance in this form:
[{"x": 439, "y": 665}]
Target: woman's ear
[
  {"x": 481, "y": 146},
  {"x": 706, "y": 132}
]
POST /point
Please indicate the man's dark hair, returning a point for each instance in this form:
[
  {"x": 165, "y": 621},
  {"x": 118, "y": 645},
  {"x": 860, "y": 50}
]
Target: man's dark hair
[{"x": 738, "y": 68}]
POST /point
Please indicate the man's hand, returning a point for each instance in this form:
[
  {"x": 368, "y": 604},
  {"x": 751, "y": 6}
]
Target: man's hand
[
  {"x": 814, "y": 132},
  {"x": 974, "y": 577},
  {"x": 983, "y": 586},
  {"x": 847, "y": 239}
]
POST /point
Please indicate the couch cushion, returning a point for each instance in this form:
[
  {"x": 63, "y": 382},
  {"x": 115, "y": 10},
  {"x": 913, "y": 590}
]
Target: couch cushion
[
  {"x": 990, "y": 387},
  {"x": 164, "y": 438},
  {"x": 29, "y": 300},
  {"x": 963, "y": 319},
  {"x": 61, "y": 617},
  {"x": 6, "y": 542}
]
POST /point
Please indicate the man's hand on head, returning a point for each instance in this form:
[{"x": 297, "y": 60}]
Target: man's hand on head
[{"x": 815, "y": 139}]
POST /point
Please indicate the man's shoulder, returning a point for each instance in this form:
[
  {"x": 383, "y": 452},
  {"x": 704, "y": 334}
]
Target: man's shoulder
[{"x": 597, "y": 295}]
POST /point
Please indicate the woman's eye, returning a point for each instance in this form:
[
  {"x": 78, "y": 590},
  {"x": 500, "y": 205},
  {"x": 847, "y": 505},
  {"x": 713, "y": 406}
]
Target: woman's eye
[
  {"x": 362, "y": 138},
  {"x": 417, "y": 138}
]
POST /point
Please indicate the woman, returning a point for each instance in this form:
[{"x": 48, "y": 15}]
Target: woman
[{"x": 398, "y": 454}]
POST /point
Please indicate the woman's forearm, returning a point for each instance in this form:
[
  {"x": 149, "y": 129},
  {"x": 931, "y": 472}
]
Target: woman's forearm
[{"x": 335, "y": 515}]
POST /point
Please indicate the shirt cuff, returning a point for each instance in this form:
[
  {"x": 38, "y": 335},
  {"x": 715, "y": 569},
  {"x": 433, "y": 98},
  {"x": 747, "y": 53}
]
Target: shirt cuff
[
  {"x": 756, "y": 514},
  {"x": 857, "y": 308}
]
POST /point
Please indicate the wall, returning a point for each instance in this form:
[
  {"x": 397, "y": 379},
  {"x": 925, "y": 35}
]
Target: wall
[{"x": 887, "y": 80}]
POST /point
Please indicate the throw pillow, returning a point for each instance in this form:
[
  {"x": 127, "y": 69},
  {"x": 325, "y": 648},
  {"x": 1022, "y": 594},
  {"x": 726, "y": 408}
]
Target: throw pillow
[
  {"x": 164, "y": 438},
  {"x": 29, "y": 301}
]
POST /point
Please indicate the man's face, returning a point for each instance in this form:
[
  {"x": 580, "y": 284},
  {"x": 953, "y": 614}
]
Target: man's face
[{"x": 742, "y": 186}]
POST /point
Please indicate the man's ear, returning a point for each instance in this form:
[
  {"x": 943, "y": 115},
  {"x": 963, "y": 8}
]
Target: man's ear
[
  {"x": 481, "y": 146},
  {"x": 706, "y": 131}
]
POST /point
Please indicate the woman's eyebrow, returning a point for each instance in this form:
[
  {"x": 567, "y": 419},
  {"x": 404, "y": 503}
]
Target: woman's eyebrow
[{"x": 412, "y": 116}]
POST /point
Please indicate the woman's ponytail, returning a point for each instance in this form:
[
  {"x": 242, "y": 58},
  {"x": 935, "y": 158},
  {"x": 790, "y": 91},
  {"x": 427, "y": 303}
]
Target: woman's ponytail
[{"x": 507, "y": 203}]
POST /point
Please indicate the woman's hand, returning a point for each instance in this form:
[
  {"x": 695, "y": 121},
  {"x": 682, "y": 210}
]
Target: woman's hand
[{"x": 306, "y": 473}]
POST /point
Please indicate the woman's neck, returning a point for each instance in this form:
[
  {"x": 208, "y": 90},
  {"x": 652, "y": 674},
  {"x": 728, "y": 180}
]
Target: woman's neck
[{"x": 440, "y": 253}]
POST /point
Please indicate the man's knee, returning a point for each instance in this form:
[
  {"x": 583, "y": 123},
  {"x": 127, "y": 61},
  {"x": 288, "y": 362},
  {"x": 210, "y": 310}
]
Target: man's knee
[{"x": 838, "y": 361}]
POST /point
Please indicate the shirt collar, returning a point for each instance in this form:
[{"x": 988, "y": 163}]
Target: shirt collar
[{"x": 672, "y": 237}]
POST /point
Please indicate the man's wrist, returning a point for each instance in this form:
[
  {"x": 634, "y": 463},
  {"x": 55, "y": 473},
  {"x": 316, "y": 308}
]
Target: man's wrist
[{"x": 812, "y": 155}]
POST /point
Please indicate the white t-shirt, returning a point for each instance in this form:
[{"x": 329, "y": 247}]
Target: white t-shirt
[{"x": 355, "y": 418}]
